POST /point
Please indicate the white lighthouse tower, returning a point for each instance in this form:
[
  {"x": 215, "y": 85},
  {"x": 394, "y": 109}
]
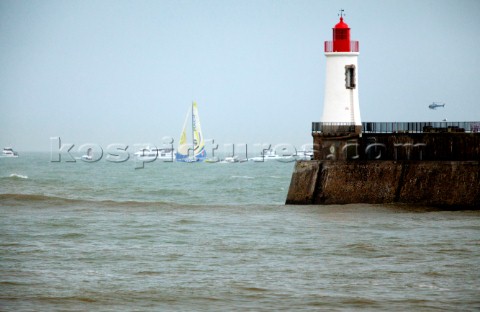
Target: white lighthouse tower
[{"x": 340, "y": 103}]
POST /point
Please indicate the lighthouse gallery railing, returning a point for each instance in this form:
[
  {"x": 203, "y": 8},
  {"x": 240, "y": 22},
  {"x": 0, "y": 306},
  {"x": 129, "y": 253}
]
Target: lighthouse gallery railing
[{"x": 354, "y": 46}]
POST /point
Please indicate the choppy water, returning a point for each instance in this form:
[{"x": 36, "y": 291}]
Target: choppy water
[{"x": 217, "y": 237}]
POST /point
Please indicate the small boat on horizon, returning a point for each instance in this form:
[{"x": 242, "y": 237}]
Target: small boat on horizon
[
  {"x": 9, "y": 152},
  {"x": 88, "y": 155},
  {"x": 304, "y": 155},
  {"x": 152, "y": 153},
  {"x": 270, "y": 154},
  {"x": 233, "y": 159}
]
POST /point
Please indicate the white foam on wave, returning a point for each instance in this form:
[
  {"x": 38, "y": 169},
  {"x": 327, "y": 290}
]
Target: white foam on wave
[
  {"x": 20, "y": 176},
  {"x": 241, "y": 177}
]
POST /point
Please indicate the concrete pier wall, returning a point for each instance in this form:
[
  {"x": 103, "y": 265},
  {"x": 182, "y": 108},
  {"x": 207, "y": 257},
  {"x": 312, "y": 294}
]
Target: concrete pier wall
[{"x": 447, "y": 184}]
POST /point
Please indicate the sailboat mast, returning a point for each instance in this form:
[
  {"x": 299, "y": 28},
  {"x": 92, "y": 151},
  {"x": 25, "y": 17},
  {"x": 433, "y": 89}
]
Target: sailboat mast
[{"x": 193, "y": 133}]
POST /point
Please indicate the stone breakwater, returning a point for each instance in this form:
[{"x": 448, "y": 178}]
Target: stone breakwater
[{"x": 446, "y": 184}]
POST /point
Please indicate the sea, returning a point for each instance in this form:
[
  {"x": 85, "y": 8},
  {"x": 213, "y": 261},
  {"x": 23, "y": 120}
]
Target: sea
[{"x": 105, "y": 236}]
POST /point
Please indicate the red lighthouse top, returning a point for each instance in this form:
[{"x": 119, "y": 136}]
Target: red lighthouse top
[
  {"x": 341, "y": 24},
  {"x": 341, "y": 38}
]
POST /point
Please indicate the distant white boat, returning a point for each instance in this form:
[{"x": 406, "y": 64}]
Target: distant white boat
[
  {"x": 151, "y": 153},
  {"x": 270, "y": 154},
  {"x": 304, "y": 155},
  {"x": 212, "y": 160},
  {"x": 9, "y": 152},
  {"x": 89, "y": 155},
  {"x": 233, "y": 159}
]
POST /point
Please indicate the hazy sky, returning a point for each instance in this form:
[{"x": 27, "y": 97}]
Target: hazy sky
[{"x": 127, "y": 71}]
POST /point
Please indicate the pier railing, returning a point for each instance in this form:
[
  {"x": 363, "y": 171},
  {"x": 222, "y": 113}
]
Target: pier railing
[
  {"x": 397, "y": 127},
  {"x": 420, "y": 127}
]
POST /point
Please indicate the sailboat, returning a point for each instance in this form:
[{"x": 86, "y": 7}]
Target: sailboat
[
  {"x": 88, "y": 155},
  {"x": 185, "y": 151}
]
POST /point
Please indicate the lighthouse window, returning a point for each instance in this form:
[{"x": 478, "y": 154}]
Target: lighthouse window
[
  {"x": 350, "y": 76},
  {"x": 340, "y": 34}
]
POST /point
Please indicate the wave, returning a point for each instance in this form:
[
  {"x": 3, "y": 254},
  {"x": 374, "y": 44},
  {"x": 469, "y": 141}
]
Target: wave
[
  {"x": 49, "y": 201},
  {"x": 17, "y": 176},
  {"x": 6, "y": 199},
  {"x": 242, "y": 177}
]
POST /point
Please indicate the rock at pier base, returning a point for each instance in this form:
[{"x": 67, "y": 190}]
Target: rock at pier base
[{"x": 303, "y": 184}]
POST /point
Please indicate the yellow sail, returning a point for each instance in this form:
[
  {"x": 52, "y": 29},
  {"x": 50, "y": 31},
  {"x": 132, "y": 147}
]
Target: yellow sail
[
  {"x": 182, "y": 150},
  {"x": 198, "y": 141},
  {"x": 199, "y": 153}
]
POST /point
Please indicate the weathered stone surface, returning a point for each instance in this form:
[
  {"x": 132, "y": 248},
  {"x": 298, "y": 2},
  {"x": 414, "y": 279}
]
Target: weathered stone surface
[
  {"x": 450, "y": 184},
  {"x": 344, "y": 182},
  {"x": 303, "y": 183}
]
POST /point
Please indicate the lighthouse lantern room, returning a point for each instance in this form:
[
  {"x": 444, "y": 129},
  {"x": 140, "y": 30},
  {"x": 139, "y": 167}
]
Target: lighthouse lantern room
[{"x": 340, "y": 104}]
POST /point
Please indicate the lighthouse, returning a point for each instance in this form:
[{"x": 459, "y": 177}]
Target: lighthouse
[{"x": 340, "y": 103}]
